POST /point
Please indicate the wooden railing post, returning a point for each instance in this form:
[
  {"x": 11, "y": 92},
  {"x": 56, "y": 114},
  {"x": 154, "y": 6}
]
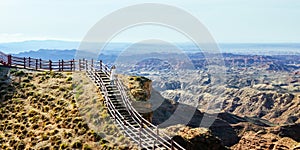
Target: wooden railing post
[
  {"x": 92, "y": 63},
  {"x": 50, "y": 65},
  {"x": 29, "y": 61},
  {"x": 83, "y": 61},
  {"x": 79, "y": 64},
  {"x": 140, "y": 135},
  {"x": 58, "y": 65},
  {"x": 62, "y": 65},
  {"x": 74, "y": 64},
  {"x": 36, "y": 64},
  {"x": 100, "y": 65},
  {"x": 24, "y": 62},
  {"x": 157, "y": 135},
  {"x": 9, "y": 60},
  {"x": 40, "y": 63},
  {"x": 86, "y": 64},
  {"x": 115, "y": 117},
  {"x": 72, "y": 61}
]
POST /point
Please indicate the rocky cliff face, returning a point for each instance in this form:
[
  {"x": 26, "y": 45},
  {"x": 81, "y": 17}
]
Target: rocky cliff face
[
  {"x": 274, "y": 100},
  {"x": 279, "y": 108},
  {"x": 139, "y": 88},
  {"x": 195, "y": 138}
]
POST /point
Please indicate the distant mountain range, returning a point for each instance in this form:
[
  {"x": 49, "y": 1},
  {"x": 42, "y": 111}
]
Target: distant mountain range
[
  {"x": 49, "y": 54},
  {"x": 113, "y": 48},
  {"x": 17, "y": 47},
  {"x": 55, "y": 54}
]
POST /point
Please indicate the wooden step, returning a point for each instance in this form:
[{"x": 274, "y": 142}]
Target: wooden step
[{"x": 132, "y": 127}]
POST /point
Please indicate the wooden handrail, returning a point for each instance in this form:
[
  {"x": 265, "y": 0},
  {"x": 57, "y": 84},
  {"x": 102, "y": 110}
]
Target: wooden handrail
[
  {"x": 118, "y": 118},
  {"x": 139, "y": 117},
  {"x": 37, "y": 64},
  {"x": 149, "y": 129}
]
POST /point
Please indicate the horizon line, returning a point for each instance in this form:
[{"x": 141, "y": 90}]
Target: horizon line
[{"x": 129, "y": 42}]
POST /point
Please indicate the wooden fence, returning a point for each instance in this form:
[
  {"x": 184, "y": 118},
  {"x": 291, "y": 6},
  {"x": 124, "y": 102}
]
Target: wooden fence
[{"x": 48, "y": 65}]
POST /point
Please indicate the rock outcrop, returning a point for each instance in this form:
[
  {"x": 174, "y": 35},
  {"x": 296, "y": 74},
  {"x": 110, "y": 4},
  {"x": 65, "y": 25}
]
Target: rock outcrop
[
  {"x": 266, "y": 141},
  {"x": 276, "y": 107},
  {"x": 194, "y": 138},
  {"x": 139, "y": 88}
]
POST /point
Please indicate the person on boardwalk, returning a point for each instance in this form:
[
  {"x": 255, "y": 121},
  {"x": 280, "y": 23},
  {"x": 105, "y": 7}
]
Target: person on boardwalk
[{"x": 112, "y": 75}]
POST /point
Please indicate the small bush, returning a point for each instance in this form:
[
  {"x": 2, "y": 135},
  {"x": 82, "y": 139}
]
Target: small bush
[
  {"x": 42, "y": 79},
  {"x": 35, "y": 126},
  {"x": 77, "y": 144},
  {"x": 20, "y": 73},
  {"x": 69, "y": 79},
  {"x": 45, "y": 137},
  {"x": 121, "y": 138},
  {"x": 64, "y": 146},
  {"x": 26, "y": 80},
  {"x": 32, "y": 113},
  {"x": 46, "y": 108},
  {"x": 86, "y": 147},
  {"x": 62, "y": 89}
]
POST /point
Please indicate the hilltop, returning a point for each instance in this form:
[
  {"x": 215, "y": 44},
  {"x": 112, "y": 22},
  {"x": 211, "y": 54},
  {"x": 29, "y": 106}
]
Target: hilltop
[{"x": 40, "y": 110}]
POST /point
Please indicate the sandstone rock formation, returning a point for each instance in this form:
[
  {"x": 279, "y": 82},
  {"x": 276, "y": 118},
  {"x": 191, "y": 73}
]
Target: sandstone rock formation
[
  {"x": 194, "y": 138},
  {"x": 139, "y": 89},
  {"x": 267, "y": 141}
]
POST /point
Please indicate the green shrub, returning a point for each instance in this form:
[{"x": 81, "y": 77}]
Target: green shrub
[
  {"x": 87, "y": 147},
  {"x": 42, "y": 79},
  {"x": 13, "y": 71},
  {"x": 64, "y": 146},
  {"x": 26, "y": 80},
  {"x": 77, "y": 144},
  {"x": 69, "y": 79},
  {"x": 45, "y": 137},
  {"x": 62, "y": 89},
  {"x": 121, "y": 138},
  {"x": 20, "y": 73},
  {"x": 21, "y": 145},
  {"x": 35, "y": 126},
  {"x": 102, "y": 141}
]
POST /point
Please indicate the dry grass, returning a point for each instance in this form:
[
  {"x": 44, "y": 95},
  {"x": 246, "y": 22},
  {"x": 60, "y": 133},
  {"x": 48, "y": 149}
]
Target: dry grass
[{"x": 42, "y": 111}]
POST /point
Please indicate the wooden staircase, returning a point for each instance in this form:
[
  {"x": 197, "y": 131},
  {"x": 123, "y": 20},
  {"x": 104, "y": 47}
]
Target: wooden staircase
[{"x": 127, "y": 119}]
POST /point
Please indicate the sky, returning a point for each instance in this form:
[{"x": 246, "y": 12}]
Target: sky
[{"x": 228, "y": 21}]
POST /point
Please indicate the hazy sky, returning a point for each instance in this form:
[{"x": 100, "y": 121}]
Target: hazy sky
[{"x": 245, "y": 21}]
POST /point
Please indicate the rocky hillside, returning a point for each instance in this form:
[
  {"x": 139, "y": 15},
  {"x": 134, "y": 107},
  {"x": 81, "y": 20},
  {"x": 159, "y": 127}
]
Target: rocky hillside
[
  {"x": 194, "y": 138},
  {"x": 261, "y": 140},
  {"x": 278, "y": 108},
  {"x": 229, "y": 130},
  {"x": 48, "y": 110},
  {"x": 271, "y": 96}
]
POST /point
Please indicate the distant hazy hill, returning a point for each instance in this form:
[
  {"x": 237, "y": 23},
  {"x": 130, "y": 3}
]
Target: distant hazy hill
[
  {"x": 16, "y": 47},
  {"x": 49, "y": 54},
  {"x": 56, "y": 54}
]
